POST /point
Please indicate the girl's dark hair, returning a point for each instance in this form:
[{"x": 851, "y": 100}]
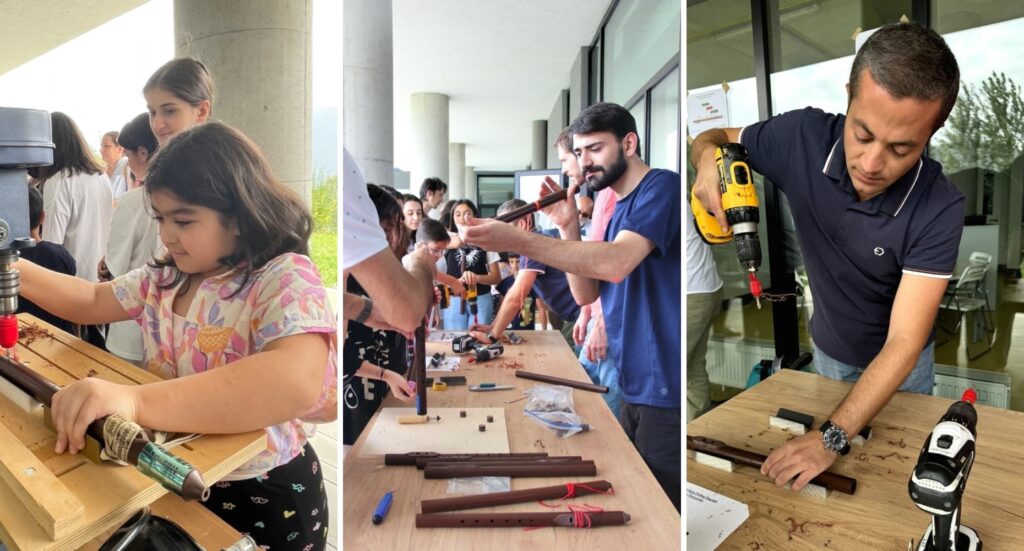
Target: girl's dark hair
[
  {"x": 70, "y": 153},
  {"x": 137, "y": 133},
  {"x": 450, "y": 210},
  {"x": 215, "y": 166},
  {"x": 410, "y": 197},
  {"x": 389, "y": 212},
  {"x": 186, "y": 78}
]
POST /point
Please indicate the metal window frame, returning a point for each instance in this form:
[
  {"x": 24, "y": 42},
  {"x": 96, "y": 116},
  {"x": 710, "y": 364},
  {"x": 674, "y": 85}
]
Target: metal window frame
[{"x": 785, "y": 321}]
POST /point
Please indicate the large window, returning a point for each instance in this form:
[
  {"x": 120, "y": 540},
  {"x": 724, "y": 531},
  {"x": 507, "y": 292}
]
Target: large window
[
  {"x": 640, "y": 38},
  {"x": 663, "y": 149},
  {"x": 493, "y": 189}
]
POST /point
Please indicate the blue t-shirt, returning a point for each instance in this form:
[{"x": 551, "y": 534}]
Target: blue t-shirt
[
  {"x": 552, "y": 285},
  {"x": 642, "y": 312},
  {"x": 855, "y": 251}
]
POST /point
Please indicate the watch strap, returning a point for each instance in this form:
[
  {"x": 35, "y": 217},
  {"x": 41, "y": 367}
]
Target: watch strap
[{"x": 364, "y": 314}]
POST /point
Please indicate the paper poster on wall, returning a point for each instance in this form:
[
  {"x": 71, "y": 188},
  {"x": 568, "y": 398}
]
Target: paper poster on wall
[{"x": 706, "y": 110}]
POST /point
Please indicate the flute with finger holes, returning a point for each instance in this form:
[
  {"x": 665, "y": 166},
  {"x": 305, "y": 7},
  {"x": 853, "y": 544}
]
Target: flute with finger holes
[
  {"x": 530, "y": 208},
  {"x": 120, "y": 438}
]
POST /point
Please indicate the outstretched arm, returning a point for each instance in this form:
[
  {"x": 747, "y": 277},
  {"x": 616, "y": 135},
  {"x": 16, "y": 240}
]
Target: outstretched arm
[{"x": 69, "y": 297}]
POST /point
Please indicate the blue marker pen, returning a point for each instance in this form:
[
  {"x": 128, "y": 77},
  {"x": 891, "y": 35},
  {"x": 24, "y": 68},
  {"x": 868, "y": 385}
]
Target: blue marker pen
[{"x": 382, "y": 508}]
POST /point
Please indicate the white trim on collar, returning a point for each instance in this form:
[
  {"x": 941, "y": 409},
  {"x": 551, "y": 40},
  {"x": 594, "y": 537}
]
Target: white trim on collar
[
  {"x": 920, "y": 164},
  {"x": 828, "y": 161}
]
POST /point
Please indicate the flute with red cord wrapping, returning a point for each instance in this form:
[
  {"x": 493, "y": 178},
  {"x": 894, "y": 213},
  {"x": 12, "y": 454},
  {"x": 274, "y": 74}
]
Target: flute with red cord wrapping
[
  {"x": 505, "y": 520},
  {"x": 561, "y": 491}
]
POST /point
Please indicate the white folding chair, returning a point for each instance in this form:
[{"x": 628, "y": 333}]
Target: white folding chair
[{"x": 968, "y": 294}]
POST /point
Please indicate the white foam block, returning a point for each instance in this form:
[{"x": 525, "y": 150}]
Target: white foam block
[
  {"x": 27, "y": 403},
  {"x": 812, "y": 490},
  {"x": 860, "y": 439},
  {"x": 785, "y": 424},
  {"x": 712, "y": 461}
]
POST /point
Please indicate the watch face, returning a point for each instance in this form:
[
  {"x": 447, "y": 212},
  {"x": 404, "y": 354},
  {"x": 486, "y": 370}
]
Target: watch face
[{"x": 834, "y": 438}]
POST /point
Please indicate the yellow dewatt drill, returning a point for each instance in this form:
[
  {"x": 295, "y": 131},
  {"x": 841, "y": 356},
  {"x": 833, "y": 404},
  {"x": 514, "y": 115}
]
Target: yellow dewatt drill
[{"x": 739, "y": 201}]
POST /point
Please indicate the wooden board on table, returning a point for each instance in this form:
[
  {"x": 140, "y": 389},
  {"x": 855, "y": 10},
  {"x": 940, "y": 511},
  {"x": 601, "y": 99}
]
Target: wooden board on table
[
  {"x": 880, "y": 515},
  {"x": 452, "y": 434},
  {"x": 110, "y": 493}
]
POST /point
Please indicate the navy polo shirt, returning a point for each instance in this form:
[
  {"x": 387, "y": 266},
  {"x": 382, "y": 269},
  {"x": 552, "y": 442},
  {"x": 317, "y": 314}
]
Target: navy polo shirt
[
  {"x": 552, "y": 285},
  {"x": 855, "y": 251},
  {"x": 642, "y": 313}
]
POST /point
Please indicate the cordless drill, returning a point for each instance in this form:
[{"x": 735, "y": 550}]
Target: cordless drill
[
  {"x": 471, "y": 301},
  {"x": 940, "y": 476},
  {"x": 25, "y": 141},
  {"x": 739, "y": 201}
]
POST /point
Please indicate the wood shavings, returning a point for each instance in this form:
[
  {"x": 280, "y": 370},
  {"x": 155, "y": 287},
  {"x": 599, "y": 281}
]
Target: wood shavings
[
  {"x": 901, "y": 443},
  {"x": 30, "y": 332},
  {"x": 539, "y": 444},
  {"x": 92, "y": 373},
  {"x": 902, "y": 458},
  {"x": 802, "y": 527}
]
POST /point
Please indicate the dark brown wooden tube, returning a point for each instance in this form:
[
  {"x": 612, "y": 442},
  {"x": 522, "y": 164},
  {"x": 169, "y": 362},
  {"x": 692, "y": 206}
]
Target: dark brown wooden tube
[
  {"x": 411, "y": 458},
  {"x": 419, "y": 366},
  {"x": 533, "y": 207},
  {"x": 516, "y": 496},
  {"x": 500, "y": 461},
  {"x": 560, "y": 381},
  {"x": 586, "y": 468},
  {"x": 512, "y": 463},
  {"x": 517, "y": 520},
  {"x": 717, "y": 448}
]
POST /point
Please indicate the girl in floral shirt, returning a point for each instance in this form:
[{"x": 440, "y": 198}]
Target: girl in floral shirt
[{"x": 234, "y": 318}]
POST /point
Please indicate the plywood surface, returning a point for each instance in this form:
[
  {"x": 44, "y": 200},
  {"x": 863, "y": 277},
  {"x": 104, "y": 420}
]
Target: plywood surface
[
  {"x": 452, "y": 434},
  {"x": 109, "y": 493},
  {"x": 655, "y": 523},
  {"x": 880, "y": 515}
]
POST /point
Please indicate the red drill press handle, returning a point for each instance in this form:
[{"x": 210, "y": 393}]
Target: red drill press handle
[{"x": 8, "y": 331}]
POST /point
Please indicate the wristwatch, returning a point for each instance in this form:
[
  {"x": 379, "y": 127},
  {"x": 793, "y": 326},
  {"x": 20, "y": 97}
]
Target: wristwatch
[
  {"x": 364, "y": 314},
  {"x": 834, "y": 438}
]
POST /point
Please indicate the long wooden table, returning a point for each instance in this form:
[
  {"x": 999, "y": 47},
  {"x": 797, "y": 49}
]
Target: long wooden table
[
  {"x": 880, "y": 515},
  {"x": 655, "y": 523},
  {"x": 109, "y": 493}
]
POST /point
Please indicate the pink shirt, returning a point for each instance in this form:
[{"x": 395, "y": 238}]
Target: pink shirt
[
  {"x": 604, "y": 207},
  {"x": 285, "y": 297}
]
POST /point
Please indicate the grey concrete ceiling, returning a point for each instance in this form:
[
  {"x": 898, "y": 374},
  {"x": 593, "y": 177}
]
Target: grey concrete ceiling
[
  {"x": 502, "y": 64},
  {"x": 30, "y": 28}
]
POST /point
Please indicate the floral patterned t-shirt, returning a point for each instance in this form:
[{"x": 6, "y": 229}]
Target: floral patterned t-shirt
[{"x": 285, "y": 297}]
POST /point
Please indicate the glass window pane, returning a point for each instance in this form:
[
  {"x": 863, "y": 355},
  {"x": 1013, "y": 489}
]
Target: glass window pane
[
  {"x": 663, "y": 151},
  {"x": 595, "y": 73},
  {"x": 641, "y": 125},
  {"x": 641, "y": 37}
]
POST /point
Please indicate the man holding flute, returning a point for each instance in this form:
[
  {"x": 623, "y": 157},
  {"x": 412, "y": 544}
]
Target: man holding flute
[{"x": 635, "y": 271}]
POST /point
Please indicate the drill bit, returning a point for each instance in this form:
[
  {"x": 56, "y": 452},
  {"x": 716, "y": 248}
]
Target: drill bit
[{"x": 755, "y": 287}]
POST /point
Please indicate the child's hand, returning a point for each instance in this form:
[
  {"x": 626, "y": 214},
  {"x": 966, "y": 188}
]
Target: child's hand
[
  {"x": 468, "y": 278},
  {"x": 399, "y": 386},
  {"x": 84, "y": 401},
  {"x": 458, "y": 288}
]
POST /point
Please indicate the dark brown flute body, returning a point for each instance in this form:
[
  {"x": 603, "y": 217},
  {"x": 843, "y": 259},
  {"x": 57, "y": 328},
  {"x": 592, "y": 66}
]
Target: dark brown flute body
[
  {"x": 710, "y": 446},
  {"x": 510, "y": 463},
  {"x": 533, "y": 207},
  {"x": 419, "y": 365},
  {"x": 411, "y": 458},
  {"x": 560, "y": 381},
  {"x": 516, "y": 496},
  {"x": 517, "y": 520},
  {"x": 572, "y": 469},
  {"x": 499, "y": 461}
]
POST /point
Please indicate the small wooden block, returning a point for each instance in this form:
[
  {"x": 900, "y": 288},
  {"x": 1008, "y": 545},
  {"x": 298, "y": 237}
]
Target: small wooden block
[
  {"x": 27, "y": 403},
  {"x": 483, "y": 428},
  {"x": 787, "y": 425},
  {"x": 462, "y": 413},
  {"x": 490, "y": 418},
  {"x": 796, "y": 417},
  {"x": 49, "y": 501},
  {"x": 712, "y": 461}
]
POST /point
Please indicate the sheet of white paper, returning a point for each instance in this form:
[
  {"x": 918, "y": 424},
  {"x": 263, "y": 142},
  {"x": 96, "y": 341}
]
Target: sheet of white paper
[
  {"x": 443, "y": 336},
  {"x": 710, "y": 518}
]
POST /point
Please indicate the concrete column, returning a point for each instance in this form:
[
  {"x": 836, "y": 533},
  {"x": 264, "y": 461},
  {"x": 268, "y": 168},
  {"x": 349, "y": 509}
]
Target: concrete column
[
  {"x": 368, "y": 110},
  {"x": 258, "y": 52},
  {"x": 429, "y": 113},
  {"x": 457, "y": 171},
  {"x": 469, "y": 179},
  {"x": 539, "y": 159}
]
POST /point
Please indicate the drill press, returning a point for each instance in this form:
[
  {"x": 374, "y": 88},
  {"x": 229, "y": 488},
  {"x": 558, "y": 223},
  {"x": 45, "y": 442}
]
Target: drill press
[{"x": 24, "y": 142}]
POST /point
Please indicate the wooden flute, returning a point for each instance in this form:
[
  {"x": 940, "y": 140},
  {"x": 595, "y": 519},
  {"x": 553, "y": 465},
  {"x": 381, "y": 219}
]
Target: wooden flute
[
  {"x": 533, "y": 207},
  {"x": 560, "y": 381},
  {"x": 505, "y": 520},
  {"x": 412, "y": 458},
  {"x": 419, "y": 366},
  {"x": 583, "y": 468},
  {"x": 560, "y": 491},
  {"x": 150, "y": 459},
  {"x": 717, "y": 448},
  {"x": 503, "y": 461}
]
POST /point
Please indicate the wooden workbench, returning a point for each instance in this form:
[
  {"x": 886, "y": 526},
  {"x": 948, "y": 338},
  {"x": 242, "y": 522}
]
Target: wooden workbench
[
  {"x": 655, "y": 523},
  {"x": 110, "y": 493},
  {"x": 880, "y": 515}
]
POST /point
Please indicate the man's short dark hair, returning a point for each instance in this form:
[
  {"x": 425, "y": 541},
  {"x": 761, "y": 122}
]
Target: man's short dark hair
[
  {"x": 431, "y": 230},
  {"x": 606, "y": 117},
  {"x": 909, "y": 61},
  {"x": 35, "y": 207},
  {"x": 432, "y": 185},
  {"x": 513, "y": 204},
  {"x": 564, "y": 139}
]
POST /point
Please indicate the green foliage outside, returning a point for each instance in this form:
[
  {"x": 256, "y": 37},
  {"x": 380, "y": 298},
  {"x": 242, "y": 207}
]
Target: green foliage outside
[
  {"x": 323, "y": 244},
  {"x": 984, "y": 129}
]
